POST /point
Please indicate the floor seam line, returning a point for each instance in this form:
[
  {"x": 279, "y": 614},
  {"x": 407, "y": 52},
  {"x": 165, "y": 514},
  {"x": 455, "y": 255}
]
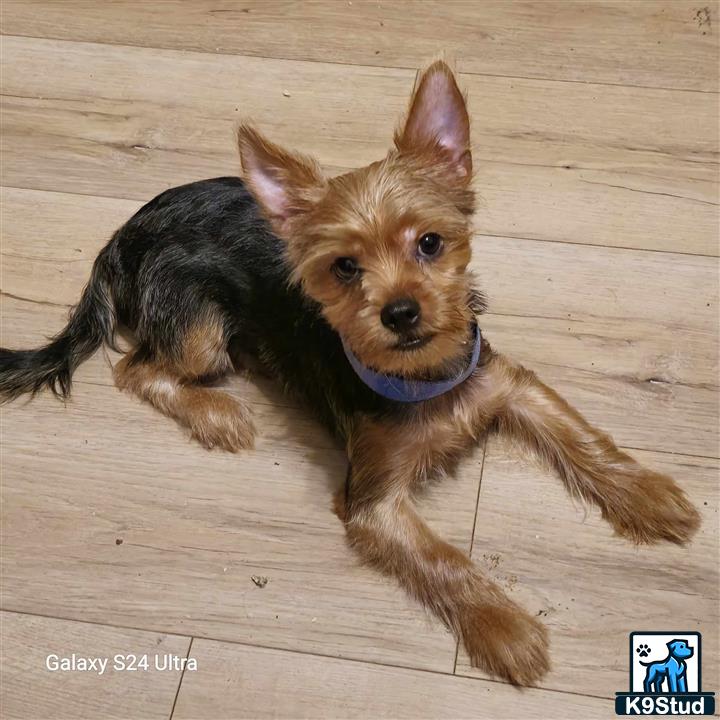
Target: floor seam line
[
  {"x": 308, "y": 653},
  {"x": 182, "y": 677},
  {"x": 475, "y": 233},
  {"x": 472, "y": 534}
]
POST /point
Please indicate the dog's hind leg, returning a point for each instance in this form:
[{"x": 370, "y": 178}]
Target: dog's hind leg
[
  {"x": 640, "y": 504},
  {"x": 172, "y": 382}
]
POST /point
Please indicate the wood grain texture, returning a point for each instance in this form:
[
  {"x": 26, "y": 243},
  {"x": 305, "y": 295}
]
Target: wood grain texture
[
  {"x": 29, "y": 690},
  {"x": 603, "y": 325},
  {"x": 618, "y": 166},
  {"x": 655, "y": 44},
  {"x": 240, "y": 682},
  {"x": 592, "y": 589},
  {"x": 596, "y": 151}
]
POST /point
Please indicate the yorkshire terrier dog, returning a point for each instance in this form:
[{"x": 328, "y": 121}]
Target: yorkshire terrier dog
[{"x": 354, "y": 292}]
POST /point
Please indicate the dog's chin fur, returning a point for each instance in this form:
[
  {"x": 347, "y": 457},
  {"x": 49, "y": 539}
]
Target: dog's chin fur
[{"x": 441, "y": 356}]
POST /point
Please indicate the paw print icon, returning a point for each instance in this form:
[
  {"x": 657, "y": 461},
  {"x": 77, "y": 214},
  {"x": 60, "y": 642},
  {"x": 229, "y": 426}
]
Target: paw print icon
[{"x": 643, "y": 650}]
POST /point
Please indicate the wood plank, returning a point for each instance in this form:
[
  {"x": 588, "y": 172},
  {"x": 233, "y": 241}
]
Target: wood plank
[
  {"x": 628, "y": 346},
  {"x": 110, "y": 514},
  {"x": 590, "y": 588},
  {"x": 28, "y": 689},
  {"x": 638, "y": 407},
  {"x": 656, "y": 44},
  {"x": 244, "y": 682},
  {"x": 76, "y": 119}
]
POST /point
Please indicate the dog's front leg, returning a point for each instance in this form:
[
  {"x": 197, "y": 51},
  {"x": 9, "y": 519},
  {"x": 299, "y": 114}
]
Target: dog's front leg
[
  {"x": 387, "y": 459},
  {"x": 640, "y": 504},
  {"x": 647, "y": 685}
]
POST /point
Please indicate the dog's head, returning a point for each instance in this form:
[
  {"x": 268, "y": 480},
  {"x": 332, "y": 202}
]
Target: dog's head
[
  {"x": 679, "y": 649},
  {"x": 383, "y": 249}
]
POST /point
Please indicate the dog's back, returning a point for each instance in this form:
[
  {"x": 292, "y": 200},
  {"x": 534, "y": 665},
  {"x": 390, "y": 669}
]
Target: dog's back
[
  {"x": 174, "y": 256},
  {"x": 195, "y": 272}
]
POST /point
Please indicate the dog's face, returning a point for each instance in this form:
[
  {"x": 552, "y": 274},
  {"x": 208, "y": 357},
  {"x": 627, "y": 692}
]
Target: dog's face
[
  {"x": 680, "y": 650},
  {"x": 383, "y": 249}
]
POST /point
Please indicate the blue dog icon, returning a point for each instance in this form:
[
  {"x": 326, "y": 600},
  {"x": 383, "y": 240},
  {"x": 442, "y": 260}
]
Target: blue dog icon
[{"x": 673, "y": 669}]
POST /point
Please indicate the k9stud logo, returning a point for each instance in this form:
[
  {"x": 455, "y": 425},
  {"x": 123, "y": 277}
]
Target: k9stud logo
[{"x": 665, "y": 676}]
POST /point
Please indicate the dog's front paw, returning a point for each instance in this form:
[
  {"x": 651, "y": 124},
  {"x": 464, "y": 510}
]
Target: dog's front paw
[
  {"x": 505, "y": 641},
  {"x": 653, "y": 508}
]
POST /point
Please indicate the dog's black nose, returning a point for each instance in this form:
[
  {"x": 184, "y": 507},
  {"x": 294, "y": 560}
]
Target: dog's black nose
[{"x": 401, "y": 316}]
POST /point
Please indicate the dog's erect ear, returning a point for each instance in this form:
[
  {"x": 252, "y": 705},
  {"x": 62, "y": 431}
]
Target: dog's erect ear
[
  {"x": 438, "y": 119},
  {"x": 285, "y": 184}
]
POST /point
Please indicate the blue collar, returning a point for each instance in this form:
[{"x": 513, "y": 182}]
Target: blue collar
[{"x": 396, "y": 388}]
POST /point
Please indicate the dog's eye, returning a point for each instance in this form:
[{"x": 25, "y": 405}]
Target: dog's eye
[
  {"x": 429, "y": 244},
  {"x": 346, "y": 269}
]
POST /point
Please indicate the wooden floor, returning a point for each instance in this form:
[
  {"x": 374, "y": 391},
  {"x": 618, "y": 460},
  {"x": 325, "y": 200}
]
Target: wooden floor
[{"x": 596, "y": 134}]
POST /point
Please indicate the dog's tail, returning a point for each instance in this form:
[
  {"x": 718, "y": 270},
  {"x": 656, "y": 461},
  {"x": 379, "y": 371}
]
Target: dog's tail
[{"x": 91, "y": 323}]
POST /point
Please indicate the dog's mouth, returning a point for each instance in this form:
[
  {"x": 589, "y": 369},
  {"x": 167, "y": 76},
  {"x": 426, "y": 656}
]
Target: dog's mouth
[{"x": 412, "y": 343}]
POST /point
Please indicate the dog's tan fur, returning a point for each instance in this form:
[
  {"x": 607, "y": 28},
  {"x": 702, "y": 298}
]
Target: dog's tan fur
[
  {"x": 389, "y": 463},
  {"x": 174, "y": 386}
]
